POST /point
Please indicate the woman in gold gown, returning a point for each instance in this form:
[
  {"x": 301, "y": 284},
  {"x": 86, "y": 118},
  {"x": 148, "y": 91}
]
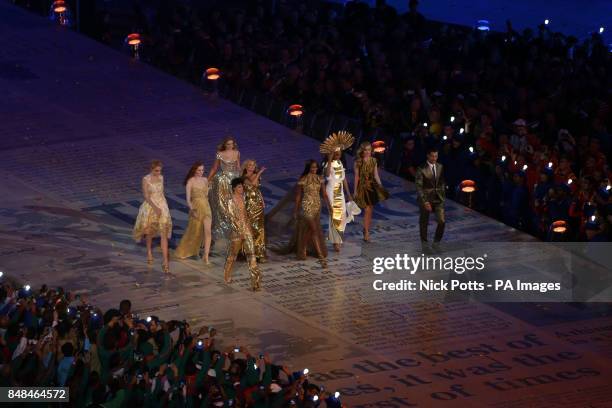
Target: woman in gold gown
[
  {"x": 308, "y": 232},
  {"x": 337, "y": 187},
  {"x": 154, "y": 215},
  {"x": 225, "y": 168},
  {"x": 198, "y": 228},
  {"x": 368, "y": 188},
  {"x": 254, "y": 203}
]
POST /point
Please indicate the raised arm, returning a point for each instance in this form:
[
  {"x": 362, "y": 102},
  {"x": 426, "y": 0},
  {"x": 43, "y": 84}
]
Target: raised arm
[{"x": 328, "y": 165}]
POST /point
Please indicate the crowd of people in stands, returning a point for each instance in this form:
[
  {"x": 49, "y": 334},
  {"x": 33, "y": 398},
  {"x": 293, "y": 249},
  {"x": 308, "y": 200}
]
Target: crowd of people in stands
[
  {"x": 116, "y": 358},
  {"x": 525, "y": 115}
]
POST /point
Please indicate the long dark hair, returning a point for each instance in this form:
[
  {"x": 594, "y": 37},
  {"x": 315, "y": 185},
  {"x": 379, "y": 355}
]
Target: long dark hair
[
  {"x": 192, "y": 171},
  {"x": 308, "y": 165}
]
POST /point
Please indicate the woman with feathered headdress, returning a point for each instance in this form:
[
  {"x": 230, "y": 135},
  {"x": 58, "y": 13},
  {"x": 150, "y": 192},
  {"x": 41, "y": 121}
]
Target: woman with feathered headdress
[{"x": 337, "y": 186}]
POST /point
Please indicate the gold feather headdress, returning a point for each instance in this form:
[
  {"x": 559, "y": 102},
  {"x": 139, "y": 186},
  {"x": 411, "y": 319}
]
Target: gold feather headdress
[{"x": 337, "y": 141}]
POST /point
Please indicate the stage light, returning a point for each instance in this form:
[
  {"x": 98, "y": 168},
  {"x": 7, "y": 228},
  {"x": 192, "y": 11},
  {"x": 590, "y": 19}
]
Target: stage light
[
  {"x": 452, "y": 119},
  {"x": 213, "y": 74},
  {"x": 467, "y": 186},
  {"x": 295, "y": 110},
  {"x": 133, "y": 41},
  {"x": 601, "y": 30},
  {"x": 483, "y": 25},
  {"x": 559, "y": 227},
  {"x": 547, "y": 21},
  {"x": 378, "y": 146},
  {"x": 60, "y": 13}
]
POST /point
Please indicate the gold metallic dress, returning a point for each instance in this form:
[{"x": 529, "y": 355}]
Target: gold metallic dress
[
  {"x": 240, "y": 239},
  {"x": 308, "y": 236},
  {"x": 335, "y": 192},
  {"x": 147, "y": 221},
  {"x": 254, "y": 203},
  {"x": 192, "y": 240},
  {"x": 369, "y": 192},
  {"x": 220, "y": 194}
]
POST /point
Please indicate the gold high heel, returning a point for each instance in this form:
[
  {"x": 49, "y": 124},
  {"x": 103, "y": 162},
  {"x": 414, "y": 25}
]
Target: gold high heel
[{"x": 166, "y": 268}]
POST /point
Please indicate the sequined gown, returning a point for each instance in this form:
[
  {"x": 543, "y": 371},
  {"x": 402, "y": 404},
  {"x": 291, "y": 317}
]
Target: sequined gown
[
  {"x": 335, "y": 192},
  {"x": 220, "y": 194},
  {"x": 369, "y": 192},
  {"x": 191, "y": 242},
  {"x": 147, "y": 221},
  {"x": 254, "y": 203},
  {"x": 308, "y": 236}
]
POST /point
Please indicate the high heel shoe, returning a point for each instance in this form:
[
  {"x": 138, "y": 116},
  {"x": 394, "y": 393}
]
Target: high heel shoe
[
  {"x": 337, "y": 247},
  {"x": 150, "y": 259},
  {"x": 166, "y": 268},
  {"x": 366, "y": 236}
]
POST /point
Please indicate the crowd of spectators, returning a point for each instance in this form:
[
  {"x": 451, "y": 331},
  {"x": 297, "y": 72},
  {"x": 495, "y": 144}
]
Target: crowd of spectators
[
  {"x": 500, "y": 106},
  {"x": 115, "y": 358}
]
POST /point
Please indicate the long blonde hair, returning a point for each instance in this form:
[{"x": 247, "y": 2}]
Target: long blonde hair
[
  {"x": 245, "y": 165},
  {"x": 360, "y": 151},
  {"x": 221, "y": 146}
]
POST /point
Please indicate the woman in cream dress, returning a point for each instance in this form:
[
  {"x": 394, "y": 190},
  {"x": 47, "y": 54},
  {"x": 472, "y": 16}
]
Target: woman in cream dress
[
  {"x": 336, "y": 188},
  {"x": 154, "y": 215},
  {"x": 225, "y": 168},
  {"x": 198, "y": 228}
]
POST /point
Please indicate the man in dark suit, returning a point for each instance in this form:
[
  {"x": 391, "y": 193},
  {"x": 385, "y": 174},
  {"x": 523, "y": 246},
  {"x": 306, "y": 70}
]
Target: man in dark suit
[{"x": 430, "y": 186}]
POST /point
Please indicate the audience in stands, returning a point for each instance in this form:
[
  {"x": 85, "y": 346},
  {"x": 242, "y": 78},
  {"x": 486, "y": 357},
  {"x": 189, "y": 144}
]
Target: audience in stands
[
  {"x": 116, "y": 358},
  {"x": 502, "y": 106}
]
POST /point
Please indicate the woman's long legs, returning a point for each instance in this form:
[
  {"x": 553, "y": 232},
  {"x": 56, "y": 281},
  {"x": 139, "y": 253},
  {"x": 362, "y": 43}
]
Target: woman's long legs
[
  {"x": 164, "y": 247},
  {"x": 207, "y": 238},
  {"x": 367, "y": 222},
  {"x": 149, "y": 240}
]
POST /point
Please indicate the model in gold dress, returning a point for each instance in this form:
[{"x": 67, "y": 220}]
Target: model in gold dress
[
  {"x": 368, "y": 188},
  {"x": 225, "y": 168},
  {"x": 198, "y": 228},
  {"x": 308, "y": 234},
  {"x": 154, "y": 215},
  {"x": 240, "y": 236},
  {"x": 255, "y": 206}
]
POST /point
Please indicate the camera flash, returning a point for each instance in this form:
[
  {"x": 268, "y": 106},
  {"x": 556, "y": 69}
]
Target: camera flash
[
  {"x": 336, "y": 395},
  {"x": 306, "y": 371},
  {"x": 547, "y": 21},
  {"x": 149, "y": 319}
]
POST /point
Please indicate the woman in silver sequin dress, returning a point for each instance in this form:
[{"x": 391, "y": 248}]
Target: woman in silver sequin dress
[{"x": 225, "y": 168}]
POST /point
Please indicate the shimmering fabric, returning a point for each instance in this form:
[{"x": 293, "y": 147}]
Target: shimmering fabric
[
  {"x": 308, "y": 235},
  {"x": 191, "y": 242},
  {"x": 335, "y": 192},
  {"x": 369, "y": 192},
  {"x": 220, "y": 194},
  {"x": 254, "y": 203},
  {"x": 147, "y": 221},
  {"x": 240, "y": 238}
]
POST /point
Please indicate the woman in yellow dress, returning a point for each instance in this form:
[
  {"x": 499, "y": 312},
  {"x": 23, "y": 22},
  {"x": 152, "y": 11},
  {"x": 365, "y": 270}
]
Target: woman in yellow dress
[
  {"x": 154, "y": 215},
  {"x": 225, "y": 168},
  {"x": 368, "y": 188},
  {"x": 308, "y": 232},
  {"x": 255, "y": 207},
  {"x": 198, "y": 228}
]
